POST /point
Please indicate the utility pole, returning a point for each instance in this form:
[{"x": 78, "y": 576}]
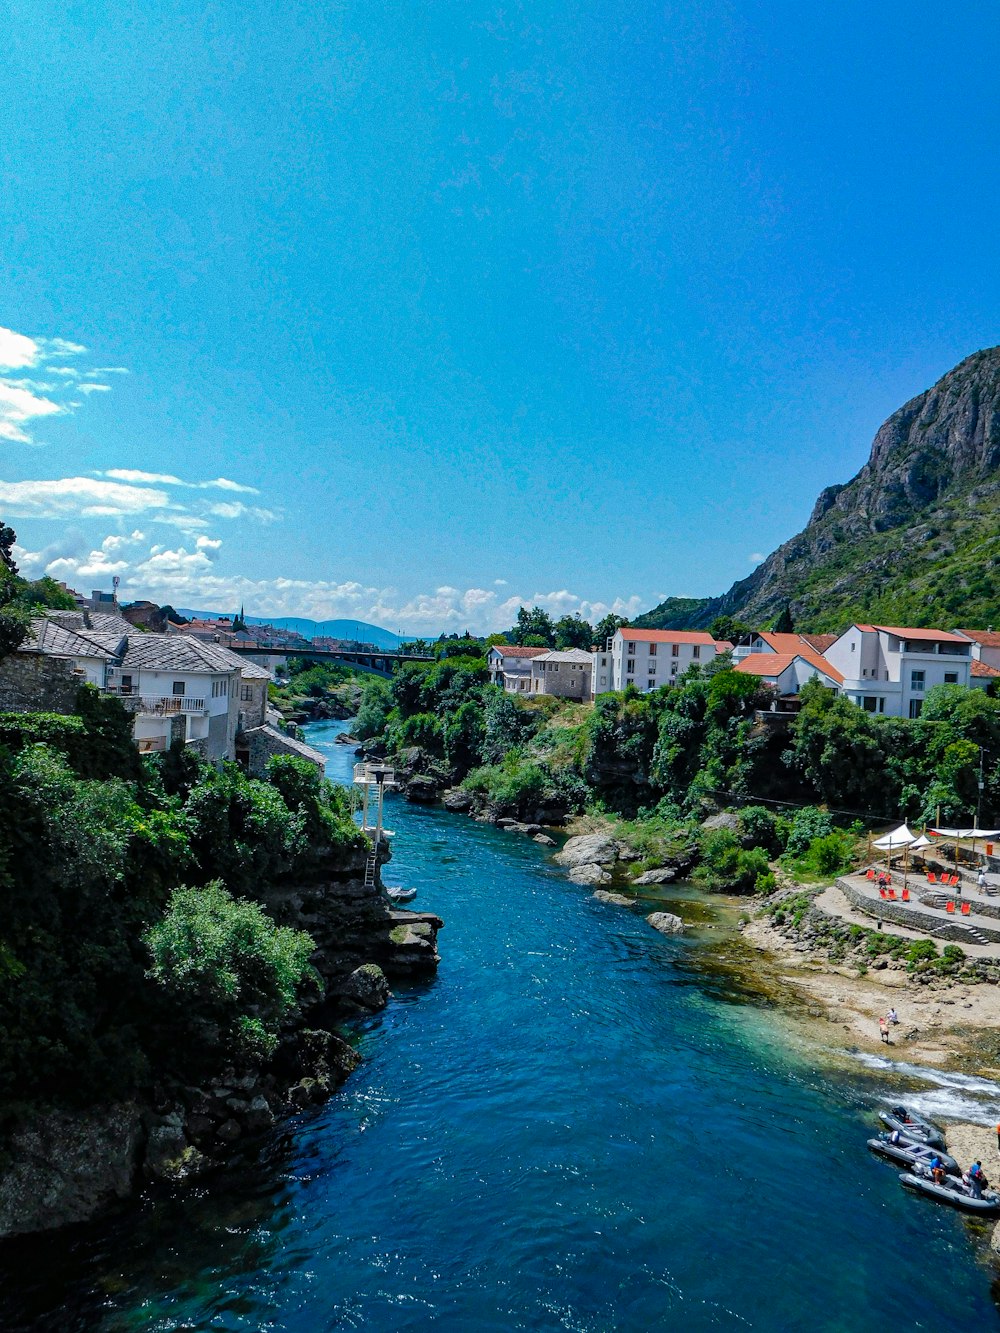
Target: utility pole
[{"x": 979, "y": 799}]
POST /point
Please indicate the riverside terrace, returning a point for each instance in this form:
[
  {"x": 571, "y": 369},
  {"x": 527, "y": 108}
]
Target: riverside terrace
[{"x": 962, "y": 914}]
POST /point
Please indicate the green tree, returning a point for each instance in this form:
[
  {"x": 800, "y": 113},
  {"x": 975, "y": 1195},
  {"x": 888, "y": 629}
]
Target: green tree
[
  {"x": 223, "y": 961},
  {"x": 607, "y": 627},
  {"x": 783, "y": 624},
  {"x": 534, "y": 624},
  {"x": 729, "y": 628},
  {"x": 574, "y": 632},
  {"x": 13, "y": 618}
]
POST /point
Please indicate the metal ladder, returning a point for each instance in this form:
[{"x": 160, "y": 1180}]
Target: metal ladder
[{"x": 370, "y": 870}]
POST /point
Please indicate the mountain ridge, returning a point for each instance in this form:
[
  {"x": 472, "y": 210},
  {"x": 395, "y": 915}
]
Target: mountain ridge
[{"x": 912, "y": 538}]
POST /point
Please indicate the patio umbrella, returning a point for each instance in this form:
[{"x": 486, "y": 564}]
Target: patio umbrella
[{"x": 900, "y": 838}]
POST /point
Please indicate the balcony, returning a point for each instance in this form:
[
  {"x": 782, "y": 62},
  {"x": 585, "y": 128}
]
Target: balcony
[{"x": 160, "y": 705}]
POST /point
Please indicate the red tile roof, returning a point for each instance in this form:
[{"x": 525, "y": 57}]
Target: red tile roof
[
  {"x": 773, "y": 664},
  {"x": 927, "y": 635},
  {"x": 821, "y": 641},
  {"x": 987, "y": 637},
  {"x": 666, "y": 636},
  {"x": 514, "y": 650},
  {"x": 797, "y": 645},
  {"x": 982, "y": 669}
]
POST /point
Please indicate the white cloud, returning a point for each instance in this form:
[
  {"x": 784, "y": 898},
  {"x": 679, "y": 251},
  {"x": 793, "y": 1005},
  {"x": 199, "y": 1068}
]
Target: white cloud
[
  {"x": 18, "y": 406},
  {"x": 76, "y": 497},
  {"x": 21, "y": 400},
  {"x": 236, "y": 509},
  {"x": 168, "y": 479},
  {"x": 17, "y": 352}
]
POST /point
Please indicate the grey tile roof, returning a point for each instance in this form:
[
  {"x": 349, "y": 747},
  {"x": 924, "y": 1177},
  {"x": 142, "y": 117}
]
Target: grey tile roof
[
  {"x": 253, "y": 670},
  {"x": 178, "y": 652},
  {"x": 52, "y": 638}
]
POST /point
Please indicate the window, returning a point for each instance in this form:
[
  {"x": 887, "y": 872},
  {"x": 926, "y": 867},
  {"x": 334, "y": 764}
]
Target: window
[
  {"x": 177, "y": 689},
  {"x": 696, "y": 650},
  {"x": 631, "y": 648},
  {"x": 652, "y": 668},
  {"x": 917, "y": 682},
  {"x": 126, "y": 685},
  {"x": 915, "y": 707},
  {"x": 951, "y": 677},
  {"x": 246, "y": 693},
  {"x": 869, "y": 703},
  {"x": 630, "y": 666},
  {"x": 652, "y": 650},
  {"x": 675, "y": 650}
]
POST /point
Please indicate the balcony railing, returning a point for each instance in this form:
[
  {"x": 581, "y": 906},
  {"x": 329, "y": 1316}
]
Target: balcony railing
[{"x": 159, "y": 705}]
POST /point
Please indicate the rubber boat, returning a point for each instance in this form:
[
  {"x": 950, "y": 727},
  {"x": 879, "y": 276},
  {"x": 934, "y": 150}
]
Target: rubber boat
[
  {"x": 955, "y": 1192},
  {"x": 911, "y": 1152},
  {"x": 914, "y": 1126},
  {"x": 401, "y": 895}
]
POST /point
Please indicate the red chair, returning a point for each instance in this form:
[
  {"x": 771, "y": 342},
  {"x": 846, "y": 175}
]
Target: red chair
[
  {"x": 871, "y": 874},
  {"x": 966, "y": 909},
  {"x": 906, "y": 895},
  {"x": 892, "y": 894},
  {"x": 931, "y": 877},
  {"x": 955, "y": 881},
  {"x": 949, "y": 906},
  {"x": 882, "y": 893}
]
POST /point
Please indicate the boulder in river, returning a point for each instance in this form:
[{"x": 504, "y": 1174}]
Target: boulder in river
[
  {"x": 457, "y": 801},
  {"x": 366, "y": 988},
  {"x": 544, "y": 840},
  {"x": 588, "y": 849},
  {"x": 665, "y": 875},
  {"x": 666, "y": 923},
  {"x": 589, "y": 874},
  {"x": 422, "y": 789},
  {"x": 615, "y": 899}
]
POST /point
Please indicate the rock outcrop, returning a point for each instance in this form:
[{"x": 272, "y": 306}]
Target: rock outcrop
[
  {"x": 666, "y": 923},
  {"x": 588, "y": 849},
  {"x": 65, "y": 1167}
]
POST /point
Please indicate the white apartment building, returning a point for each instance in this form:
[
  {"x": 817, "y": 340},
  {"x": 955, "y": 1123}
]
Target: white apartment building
[
  {"x": 889, "y": 669},
  {"x": 649, "y": 658}
]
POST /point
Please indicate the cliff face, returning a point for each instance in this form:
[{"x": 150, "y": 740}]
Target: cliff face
[
  {"x": 913, "y": 538},
  {"x": 65, "y": 1167}
]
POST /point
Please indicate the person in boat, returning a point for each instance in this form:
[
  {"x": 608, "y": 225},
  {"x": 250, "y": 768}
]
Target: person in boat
[
  {"x": 938, "y": 1173},
  {"x": 977, "y": 1180}
]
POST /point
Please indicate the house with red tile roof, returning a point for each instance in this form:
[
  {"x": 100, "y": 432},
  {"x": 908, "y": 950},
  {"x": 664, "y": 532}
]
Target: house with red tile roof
[
  {"x": 649, "y": 658},
  {"x": 985, "y": 646},
  {"x": 788, "y": 672},
  {"x": 889, "y": 668},
  {"x": 510, "y": 666}
]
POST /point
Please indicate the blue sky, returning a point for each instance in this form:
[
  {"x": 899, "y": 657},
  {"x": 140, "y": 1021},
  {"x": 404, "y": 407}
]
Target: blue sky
[{"x": 434, "y": 309}]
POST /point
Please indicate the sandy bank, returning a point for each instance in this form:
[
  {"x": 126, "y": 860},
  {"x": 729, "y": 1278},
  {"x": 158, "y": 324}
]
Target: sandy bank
[{"x": 954, "y": 1025}]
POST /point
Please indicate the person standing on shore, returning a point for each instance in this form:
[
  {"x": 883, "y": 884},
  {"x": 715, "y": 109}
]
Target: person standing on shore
[{"x": 883, "y": 1027}]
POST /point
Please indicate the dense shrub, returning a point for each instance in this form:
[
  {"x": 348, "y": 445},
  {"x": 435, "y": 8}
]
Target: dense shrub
[{"x": 223, "y": 961}]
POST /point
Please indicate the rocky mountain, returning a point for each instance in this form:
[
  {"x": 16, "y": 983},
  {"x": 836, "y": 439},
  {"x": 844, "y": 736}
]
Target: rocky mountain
[{"x": 913, "y": 539}]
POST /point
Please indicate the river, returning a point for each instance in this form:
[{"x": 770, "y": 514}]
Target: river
[{"x": 578, "y": 1125}]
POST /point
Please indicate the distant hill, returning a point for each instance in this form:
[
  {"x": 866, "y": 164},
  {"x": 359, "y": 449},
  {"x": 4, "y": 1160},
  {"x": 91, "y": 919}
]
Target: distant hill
[
  {"x": 334, "y": 629},
  {"x": 913, "y": 539}
]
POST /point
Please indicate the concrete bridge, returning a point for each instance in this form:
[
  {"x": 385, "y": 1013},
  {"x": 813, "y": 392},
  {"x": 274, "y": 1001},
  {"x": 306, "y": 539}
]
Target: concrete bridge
[{"x": 379, "y": 662}]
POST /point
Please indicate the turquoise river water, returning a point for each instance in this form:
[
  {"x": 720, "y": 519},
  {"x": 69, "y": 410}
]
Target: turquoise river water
[{"x": 578, "y": 1125}]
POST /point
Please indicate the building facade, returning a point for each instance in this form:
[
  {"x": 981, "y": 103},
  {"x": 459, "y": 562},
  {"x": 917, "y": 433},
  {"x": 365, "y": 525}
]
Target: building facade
[
  {"x": 649, "y": 658},
  {"x": 565, "y": 674},
  {"x": 510, "y": 666},
  {"x": 889, "y": 669}
]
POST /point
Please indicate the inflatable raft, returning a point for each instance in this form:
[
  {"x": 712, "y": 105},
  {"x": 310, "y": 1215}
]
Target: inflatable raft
[
  {"x": 954, "y": 1192},
  {"x": 914, "y": 1126},
  {"x": 910, "y": 1152}
]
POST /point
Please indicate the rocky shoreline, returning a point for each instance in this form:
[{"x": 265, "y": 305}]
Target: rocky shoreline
[{"x": 67, "y": 1166}]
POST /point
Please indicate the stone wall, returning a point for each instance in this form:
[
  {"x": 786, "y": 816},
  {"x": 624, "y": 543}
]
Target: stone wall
[
  {"x": 36, "y": 683},
  {"x": 264, "y": 742},
  {"x": 902, "y": 914}
]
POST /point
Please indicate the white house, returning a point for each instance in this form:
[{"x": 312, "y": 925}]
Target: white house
[
  {"x": 566, "y": 674},
  {"x": 985, "y": 666},
  {"x": 788, "y": 672},
  {"x": 649, "y": 658},
  {"x": 889, "y": 668},
  {"x": 178, "y": 688},
  {"x": 510, "y": 666}
]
